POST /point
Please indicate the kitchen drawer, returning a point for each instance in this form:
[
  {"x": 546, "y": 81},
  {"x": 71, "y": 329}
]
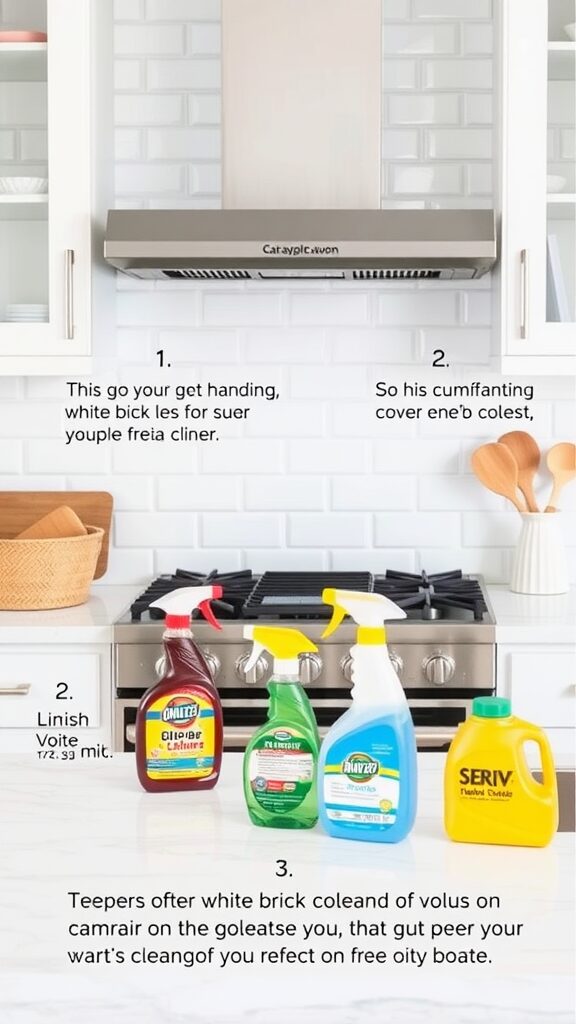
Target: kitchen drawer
[
  {"x": 541, "y": 683},
  {"x": 34, "y": 688},
  {"x": 26, "y": 741}
]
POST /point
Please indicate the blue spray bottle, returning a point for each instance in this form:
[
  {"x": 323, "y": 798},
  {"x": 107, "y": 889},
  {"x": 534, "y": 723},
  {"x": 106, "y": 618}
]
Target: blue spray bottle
[{"x": 367, "y": 770}]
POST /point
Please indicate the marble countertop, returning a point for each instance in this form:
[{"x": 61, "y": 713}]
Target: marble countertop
[
  {"x": 89, "y": 828},
  {"x": 520, "y": 619}
]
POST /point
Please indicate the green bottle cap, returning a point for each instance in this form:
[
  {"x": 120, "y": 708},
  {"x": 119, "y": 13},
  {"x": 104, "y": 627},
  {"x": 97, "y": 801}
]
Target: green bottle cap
[{"x": 491, "y": 707}]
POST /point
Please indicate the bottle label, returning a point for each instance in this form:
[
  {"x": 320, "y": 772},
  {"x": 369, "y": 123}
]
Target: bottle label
[
  {"x": 362, "y": 779},
  {"x": 180, "y": 737},
  {"x": 281, "y": 770}
]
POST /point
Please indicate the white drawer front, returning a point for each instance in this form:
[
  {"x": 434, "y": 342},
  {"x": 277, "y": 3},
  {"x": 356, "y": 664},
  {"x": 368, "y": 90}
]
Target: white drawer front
[
  {"x": 49, "y": 691},
  {"x": 542, "y": 686}
]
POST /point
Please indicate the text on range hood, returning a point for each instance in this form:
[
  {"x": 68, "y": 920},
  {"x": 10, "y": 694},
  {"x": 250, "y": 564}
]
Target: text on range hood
[{"x": 260, "y": 245}]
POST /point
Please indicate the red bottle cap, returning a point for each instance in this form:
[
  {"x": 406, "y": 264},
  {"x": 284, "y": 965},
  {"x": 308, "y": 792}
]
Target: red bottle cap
[{"x": 177, "y": 622}]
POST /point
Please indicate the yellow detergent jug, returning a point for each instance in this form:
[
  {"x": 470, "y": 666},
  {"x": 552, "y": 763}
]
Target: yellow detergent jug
[{"x": 490, "y": 794}]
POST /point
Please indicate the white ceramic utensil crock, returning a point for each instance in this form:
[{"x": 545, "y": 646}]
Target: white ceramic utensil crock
[{"x": 540, "y": 559}]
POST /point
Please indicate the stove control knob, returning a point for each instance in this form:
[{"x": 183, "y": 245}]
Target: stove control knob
[
  {"x": 310, "y": 668},
  {"x": 256, "y": 675},
  {"x": 213, "y": 662},
  {"x": 397, "y": 663},
  {"x": 439, "y": 669},
  {"x": 160, "y": 667},
  {"x": 346, "y": 666}
]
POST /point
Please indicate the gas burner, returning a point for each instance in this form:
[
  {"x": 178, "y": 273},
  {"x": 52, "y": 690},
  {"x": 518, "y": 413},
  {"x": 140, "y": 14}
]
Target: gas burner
[
  {"x": 442, "y": 595},
  {"x": 237, "y": 586}
]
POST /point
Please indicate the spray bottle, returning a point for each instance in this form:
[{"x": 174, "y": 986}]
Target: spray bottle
[
  {"x": 281, "y": 760},
  {"x": 367, "y": 769},
  {"x": 179, "y": 721}
]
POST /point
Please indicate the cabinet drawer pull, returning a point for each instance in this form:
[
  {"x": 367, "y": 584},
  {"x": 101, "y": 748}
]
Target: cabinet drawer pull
[
  {"x": 20, "y": 690},
  {"x": 524, "y": 294},
  {"x": 69, "y": 293}
]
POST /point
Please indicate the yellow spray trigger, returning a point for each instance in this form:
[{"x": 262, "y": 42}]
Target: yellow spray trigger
[{"x": 338, "y": 615}]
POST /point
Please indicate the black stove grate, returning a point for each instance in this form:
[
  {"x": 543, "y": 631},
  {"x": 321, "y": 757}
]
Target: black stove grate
[
  {"x": 237, "y": 587},
  {"x": 439, "y": 595},
  {"x": 295, "y": 595}
]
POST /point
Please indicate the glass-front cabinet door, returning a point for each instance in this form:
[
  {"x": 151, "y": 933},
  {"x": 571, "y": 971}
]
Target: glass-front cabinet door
[
  {"x": 538, "y": 64},
  {"x": 45, "y": 140}
]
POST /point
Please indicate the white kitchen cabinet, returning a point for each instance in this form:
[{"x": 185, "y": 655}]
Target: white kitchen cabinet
[
  {"x": 540, "y": 680},
  {"x": 56, "y": 123},
  {"x": 537, "y": 293},
  {"x": 42, "y": 688}
]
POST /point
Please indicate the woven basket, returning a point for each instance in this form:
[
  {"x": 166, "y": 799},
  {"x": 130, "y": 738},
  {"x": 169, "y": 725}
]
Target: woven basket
[{"x": 41, "y": 574}]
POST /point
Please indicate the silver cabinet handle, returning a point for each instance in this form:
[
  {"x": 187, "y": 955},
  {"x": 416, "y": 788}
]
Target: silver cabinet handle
[
  {"x": 19, "y": 690},
  {"x": 69, "y": 294},
  {"x": 524, "y": 294}
]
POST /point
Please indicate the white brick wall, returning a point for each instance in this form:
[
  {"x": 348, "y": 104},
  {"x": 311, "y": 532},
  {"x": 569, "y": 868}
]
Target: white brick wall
[{"x": 312, "y": 480}]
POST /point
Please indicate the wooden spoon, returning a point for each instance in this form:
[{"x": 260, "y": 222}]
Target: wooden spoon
[
  {"x": 561, "y": 462},
  {"x": 496, "y": 468},
  {"x": 527, "y": 454}
]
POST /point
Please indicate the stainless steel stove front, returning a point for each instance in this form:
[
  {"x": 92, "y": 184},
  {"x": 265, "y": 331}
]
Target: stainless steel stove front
[{"x": 442, "y": 667}]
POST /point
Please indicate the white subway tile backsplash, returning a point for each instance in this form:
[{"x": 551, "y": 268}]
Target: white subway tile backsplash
[
  {"x": 183, "y": 143},
  {"x": 413, "y": 529},
  {"x": 197, "y": 345},
  {"x": 128, "y": 143},
  {"x": 419, "y": 38},
  {"x": 128, "y": 10},
  {"x": 288, "y": 345},
  {"x": 459, "y": 144},
  {"x": 480, "y": 179},
  {"x": 478, "y": 307},
  {"x": 155, "y": 529},
  {"x": 149, "y": 179},
  {"x": 329, "y": 309},
  {"x": 128, "y": 75},
  {"x": 400, "y": 144},
  {"x": 205, "y": 179},
  {"x": 328, "y": 457},
  {"x": 143, "y": 40},
  {"x": 493, "y": 564},
  {"x": 367, "y": 346},
  {"x": 205, "y": 109},
  {"x": 11, "y": 460},
  {"x": 224, "y": 530},
  {"x": 395, "y": 10},
  {"x": 16, "y": 421},
  {"x": 196, "y": 559},
  {"x": 399, "y": 74},
  {"x": 478, "y": 108},
  {"x": 477, "y": 39},
  {"x": 462, "y": 346},
  {"x": 7, "y": 145},
  {"x": 286, "y": 560},
  {"x": 55, "y": 457},
  {"x": 461, "y": 492},
  {"x": 412, "y": 308},
  {"x": 182, "y": 10},
  {"x": 243, "y": 456},
  {"x": 457, "y": 74},
  {"x": 127, "y": 564},
  {"x": 138, "y": 109},
  {"x": 131, "y": 494},
  {"x": 328, "y": 530},
  {"x": 238, "y": 309},
  {"x": 373, "y": 560},
  {"x": 288, "y": 419},
  {"x": 204, "y": 39},
  {"x": 425, "y": 456},
  {"x": 427, "y": 179},
  {"x": 183, "y": 74},
  {"x": 201, "y": 492},
  {"x": 153, "y": 309},
  {"x": 153, "y": 458},
  {"x": 369, "y": 494},
  {"x": 436, "y": 9},
  {"x": 490, "y": 529},
  {"x": 424, "y": 108},
  {"x": 284, "y": 493},
  {"x": 334, "y": 382}
]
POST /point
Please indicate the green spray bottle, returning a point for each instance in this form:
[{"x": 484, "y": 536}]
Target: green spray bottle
[{"x": 281, "y": 759}]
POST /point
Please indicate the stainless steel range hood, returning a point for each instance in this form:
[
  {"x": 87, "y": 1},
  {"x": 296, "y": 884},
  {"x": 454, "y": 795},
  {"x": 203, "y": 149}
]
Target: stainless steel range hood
[
  {"x": 301, "y": 141},
  {"x": 360, "y": 245}
]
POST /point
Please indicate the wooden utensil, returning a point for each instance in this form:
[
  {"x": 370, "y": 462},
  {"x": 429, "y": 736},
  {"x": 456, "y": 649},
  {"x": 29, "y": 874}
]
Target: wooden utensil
[
  {"x": 561, "y": 462},
  {"x": 527, "y": 455},
  {"x": 21, "y": 509},
  {"x": 62, "y": 522},
  {"x": 496, "y": 468}
]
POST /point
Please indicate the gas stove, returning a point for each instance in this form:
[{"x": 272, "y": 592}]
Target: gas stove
[{"x": 444, "y": 651}]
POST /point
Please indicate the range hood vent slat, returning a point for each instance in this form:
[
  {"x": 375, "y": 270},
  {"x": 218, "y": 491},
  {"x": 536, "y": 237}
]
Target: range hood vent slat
[
  {"x": 207, "y": 275},
  {"x": 396, "y": 275}
]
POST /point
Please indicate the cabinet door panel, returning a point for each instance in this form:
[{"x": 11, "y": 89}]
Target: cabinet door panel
[{"x": 542, "y": 686}]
